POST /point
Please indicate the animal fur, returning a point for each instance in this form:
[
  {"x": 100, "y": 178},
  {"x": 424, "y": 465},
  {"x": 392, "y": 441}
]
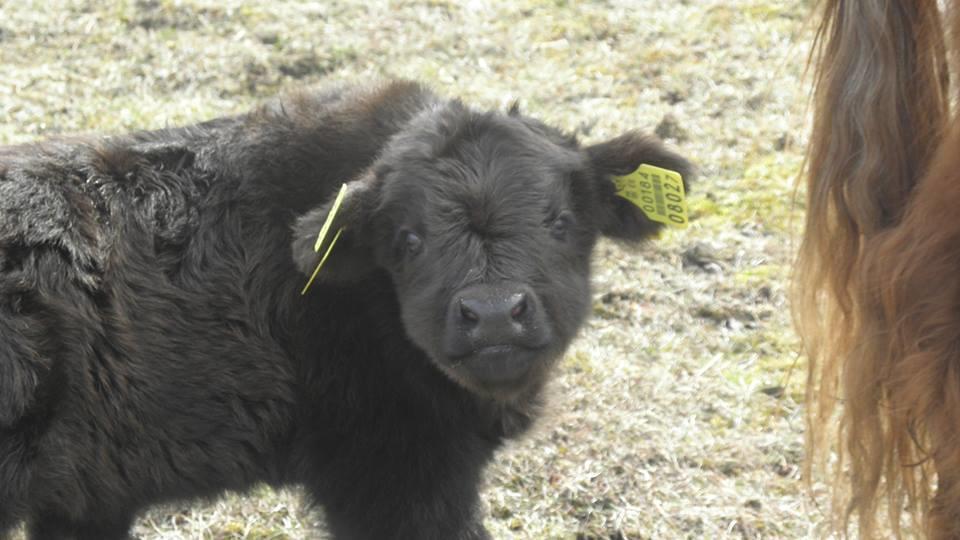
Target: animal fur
[{"x": 877, "y": 297}]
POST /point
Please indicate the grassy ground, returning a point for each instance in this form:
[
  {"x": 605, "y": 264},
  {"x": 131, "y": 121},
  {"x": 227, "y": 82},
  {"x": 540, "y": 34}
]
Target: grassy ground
[{"x": 677, "y": 413}]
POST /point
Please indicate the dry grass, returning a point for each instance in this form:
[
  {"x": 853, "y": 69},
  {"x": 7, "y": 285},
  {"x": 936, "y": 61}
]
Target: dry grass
[{"x": 677, "y": 414}]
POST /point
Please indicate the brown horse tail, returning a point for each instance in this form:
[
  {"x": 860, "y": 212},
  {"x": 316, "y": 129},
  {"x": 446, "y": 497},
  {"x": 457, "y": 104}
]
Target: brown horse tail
[{"x": 874, "y": 297}]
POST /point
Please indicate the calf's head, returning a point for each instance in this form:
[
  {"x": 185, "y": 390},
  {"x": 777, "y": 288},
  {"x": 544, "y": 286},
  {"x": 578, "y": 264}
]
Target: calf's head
[{"x": 486, "y": 223}]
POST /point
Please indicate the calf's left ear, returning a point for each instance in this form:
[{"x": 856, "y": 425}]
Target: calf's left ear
[
  {"x": 617, "y": 216},
  {"x": 350, "y": 258}
]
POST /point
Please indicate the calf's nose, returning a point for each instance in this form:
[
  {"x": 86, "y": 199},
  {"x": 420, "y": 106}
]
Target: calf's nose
[
  {"x": 493, "y": 309},
  {"x": 494, "y": 316}
]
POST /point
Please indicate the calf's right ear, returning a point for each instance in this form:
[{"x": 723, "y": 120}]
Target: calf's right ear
[{"x": 351, "y": 257}]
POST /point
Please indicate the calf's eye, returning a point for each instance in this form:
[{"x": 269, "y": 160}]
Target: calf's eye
[
  {"x": 560, "y": 225},
  {"x": 412, "y": 242}
]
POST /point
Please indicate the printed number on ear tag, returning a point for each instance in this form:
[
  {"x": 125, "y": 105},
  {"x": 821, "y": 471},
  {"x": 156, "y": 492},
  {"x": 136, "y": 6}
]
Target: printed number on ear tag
[
  {"x": 657, "y": 192},
  {"x": 323, "y": 234}
]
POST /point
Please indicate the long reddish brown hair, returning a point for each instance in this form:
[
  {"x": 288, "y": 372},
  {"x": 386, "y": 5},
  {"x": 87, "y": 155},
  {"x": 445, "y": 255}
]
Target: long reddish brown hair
[{"x": 877, "y": 286}]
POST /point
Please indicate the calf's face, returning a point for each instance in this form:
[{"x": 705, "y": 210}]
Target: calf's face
[{"x": 486, "y": 223}]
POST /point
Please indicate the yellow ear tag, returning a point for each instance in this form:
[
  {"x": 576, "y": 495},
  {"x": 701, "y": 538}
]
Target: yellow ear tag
[
  {"x": 323, "y": 234},
  {"x": 657, "y": 192}
]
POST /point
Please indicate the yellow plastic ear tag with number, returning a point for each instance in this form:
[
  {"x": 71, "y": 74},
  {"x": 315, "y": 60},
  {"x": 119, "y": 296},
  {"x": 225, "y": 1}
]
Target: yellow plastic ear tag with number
[
  {"x": 323, "y": 234},
  {"x": 657, "y": 192}
]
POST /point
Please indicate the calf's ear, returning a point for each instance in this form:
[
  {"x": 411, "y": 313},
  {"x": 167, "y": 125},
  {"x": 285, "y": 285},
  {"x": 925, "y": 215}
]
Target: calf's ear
[
  {"x": 350, "y": 258},
  {"x": 617, "y": 216}
]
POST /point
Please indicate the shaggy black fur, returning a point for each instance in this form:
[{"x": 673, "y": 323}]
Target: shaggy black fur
[{"x": 154, "y": 344}]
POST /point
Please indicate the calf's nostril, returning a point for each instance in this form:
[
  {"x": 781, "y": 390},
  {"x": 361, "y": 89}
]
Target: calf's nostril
[
  {"x": 468, "y": 314},
  {"x": 519, "y": 305}
]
